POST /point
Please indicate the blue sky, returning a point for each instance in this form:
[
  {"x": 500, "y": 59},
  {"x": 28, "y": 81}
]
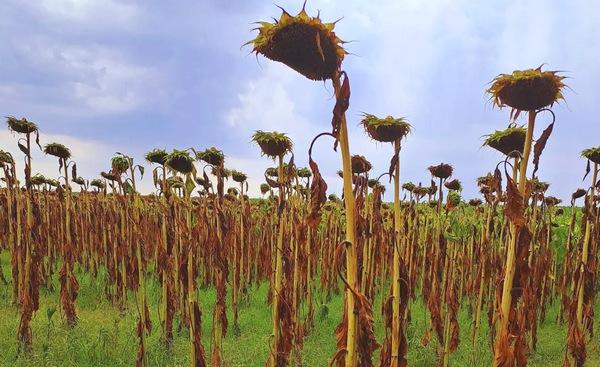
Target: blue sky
[{"x": 104, "y": 76}]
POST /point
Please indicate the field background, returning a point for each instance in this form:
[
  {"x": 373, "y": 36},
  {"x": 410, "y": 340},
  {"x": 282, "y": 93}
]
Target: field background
[{"x": 106, "y": 337}]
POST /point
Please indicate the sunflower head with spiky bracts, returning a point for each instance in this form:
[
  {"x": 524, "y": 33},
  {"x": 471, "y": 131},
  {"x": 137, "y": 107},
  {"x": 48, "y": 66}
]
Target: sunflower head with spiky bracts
[
  {"x": 157, "y": 156},
  {"x": 97, "y": 183},
  {"x": 38, "y": 179},
  {"x": 22, "y": 126},
  {"x": 264, "y": 188},
  {"x": 57, "y": 150},
  {"x": 593, "y": 154},
  {"x": 212, "y": 156},
  {"x": 303, "y": 43},
  {"x": 273, "y": 144},
  {"x": 441, "y": 170},
  {"x": 180, "y": 161},
  {"x": 527, "y": 90},
  {"x": 238, "y": 176},
  {"x": 303, "y": 172},
  {"x": 6, "y": 158},
  {"x": 508, "y": 140},
  {"x": 360, "y": 164},
  {"x": 387, "y": 129},
  {"x": 453, "y": 185},
  {"x": 120, "y": 164},
  {"x": 409, "y": 186}
]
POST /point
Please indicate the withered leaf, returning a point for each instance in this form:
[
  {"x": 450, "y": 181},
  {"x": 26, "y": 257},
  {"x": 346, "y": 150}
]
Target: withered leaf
[
  {"x": 514, "y": 203},
  {"x": 540, "y": 145},
  {"x": 74, "y": 171},
  {"x": 587, "y": 169},
  {"x": 273, "y": 183},
  {"x": 318, "y": 190},
  {"x": 24, "y": 149},
  {"x": 341, "y": 105},
  {"x": 394, "y": 161}
]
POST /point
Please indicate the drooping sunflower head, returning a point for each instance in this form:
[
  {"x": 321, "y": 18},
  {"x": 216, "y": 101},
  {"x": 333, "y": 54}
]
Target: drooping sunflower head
[
  {"x": 420, "y": 191},
  {"x": 273, "y": 144},
  {"x": 385, "y": 130},
  {"x": 409, "y": 186},
  {"x": 303, "y": 172},
  {"x": 552, "y": 201},
  {"x": 486, "y": 180},
  {"x": 21, "y": 126},
  {"x": 527, "y": 90},
  {"x": 212, "y": 156},
  {"x": 271, "y": 172},
  {"x": 175, "y": 182},
  {"x": 454, "y": 199},
  {"x": 52, "y": 182},
  {"x": 540, "y": 186},
  {"x": 57, "y": 150},
  {"x": 6, "y": 158},
  {"x": 109, "y": 176},
  {"x": 333, "y": 198},
  {"x": 157, "y": 156},
  {"x": 303, "y": 43},
  {"x": 508, "y": 140},
  {"x": 99, "y": 184},
  {"x": 454, "y": 185},
  {"x": 431, "y": 190},
  {"x": 360, "y": 164},
  {"x": 300, "y": 189},
  {"x": 221, "y": 171},
  {"x": 38, "y": 179},
  {"x": 441, "y": 170},
  {"x": 475, "y": 202},
  {"x": 593, "y": 154},
  {"x": 119, "y": 164},
  {"x": 238, "y": 176},
  {"x": 264, "y": 188},
  {"x": 578, "y": 194},
  {"x": 180, "y": 161}
]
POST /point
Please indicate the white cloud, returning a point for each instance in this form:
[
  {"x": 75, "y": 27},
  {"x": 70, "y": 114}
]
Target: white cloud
[
  {"x": 91, "y": 79},
  {"x": 264, "y": 104},
  {"x": 428, "y": 61},
  {"x": 90, "y": 13}
]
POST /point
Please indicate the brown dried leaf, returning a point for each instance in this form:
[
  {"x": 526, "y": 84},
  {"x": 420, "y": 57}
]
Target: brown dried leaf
[
  {"x": 514, "y": 203},
  {"x": 318, "y": 196},
  {"x": 540, "y": 145}
]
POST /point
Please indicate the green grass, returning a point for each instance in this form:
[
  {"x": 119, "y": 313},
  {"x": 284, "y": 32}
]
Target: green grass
[{"x": 105, "y": 337}]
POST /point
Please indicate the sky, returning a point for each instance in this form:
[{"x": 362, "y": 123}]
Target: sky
[{"x": 106, "y": 76}]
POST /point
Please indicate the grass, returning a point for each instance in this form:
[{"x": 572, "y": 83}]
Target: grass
[{"x": 105, "y": 337}]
